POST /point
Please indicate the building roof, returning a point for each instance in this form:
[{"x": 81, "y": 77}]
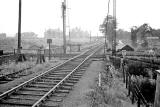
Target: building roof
[{"x": 127, "y": 48}]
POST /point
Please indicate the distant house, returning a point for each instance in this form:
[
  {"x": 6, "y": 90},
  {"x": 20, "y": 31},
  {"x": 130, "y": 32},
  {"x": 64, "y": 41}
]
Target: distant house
[
  {"x": 126, "y": 47},
  {"x": 34, "y": 47}
]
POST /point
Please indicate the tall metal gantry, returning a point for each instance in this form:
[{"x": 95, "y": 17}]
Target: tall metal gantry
[{"x": 64, "y": 25}]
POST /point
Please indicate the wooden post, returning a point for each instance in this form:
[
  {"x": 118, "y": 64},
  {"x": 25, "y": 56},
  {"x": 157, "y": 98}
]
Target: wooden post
[
  {"x": 122, "y": 67},
  {"x": 123, "y": 70},
  {"x": 129, "y": 85},
  {"x": 49, "y": 51},
  {"x": 126, "y": 79},
  {"x": 157, "y": 93},
  {"x": 139, "y": 101},
  {"x": 133, "y": 97},
  {"x": 49, "y": 41}
]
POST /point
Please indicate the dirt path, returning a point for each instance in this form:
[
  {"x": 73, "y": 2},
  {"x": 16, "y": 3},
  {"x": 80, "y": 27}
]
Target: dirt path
[{"x": 76, "y": 97}]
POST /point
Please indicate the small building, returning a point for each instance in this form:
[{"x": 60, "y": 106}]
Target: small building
[
  {"x": 34, "y": 47},
  {"x": 126, "y": 47}
]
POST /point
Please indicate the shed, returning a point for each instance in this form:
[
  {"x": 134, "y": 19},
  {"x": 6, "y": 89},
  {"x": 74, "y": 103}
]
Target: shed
[{"x": 127, "y": 48}]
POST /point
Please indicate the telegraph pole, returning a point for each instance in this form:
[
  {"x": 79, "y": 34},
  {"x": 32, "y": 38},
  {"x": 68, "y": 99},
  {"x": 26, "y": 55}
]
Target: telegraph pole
[
  {"x": 19, "y": 28},
  {"x": 64, "y": 25},
  {"x": 114, "y": 29}
]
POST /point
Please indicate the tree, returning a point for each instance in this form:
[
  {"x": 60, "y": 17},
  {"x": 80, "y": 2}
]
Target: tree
[
  {"x": 134, "y": 36},
  {"x": 28, "y": 35},
  {"x": 123, "y": 35},
  {"x": 107, "y": 28},
  {"x": 53, "y": 33},
  {"x": 139, "y": 34},
  {"x": 78, "y": 33}
]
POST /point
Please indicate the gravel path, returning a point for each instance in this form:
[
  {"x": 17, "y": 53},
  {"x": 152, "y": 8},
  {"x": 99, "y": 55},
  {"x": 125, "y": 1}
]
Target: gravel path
[{"x": 76, "y": 97}]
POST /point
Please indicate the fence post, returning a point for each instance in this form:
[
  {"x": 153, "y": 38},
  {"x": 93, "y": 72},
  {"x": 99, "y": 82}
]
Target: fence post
[
  {"x": 157, "y": 93},
  {"x": 126, "y": 79},
  {"x": 129, "y": 85},
  {"x": 122, "y": 67},
  {"x": 123, "y": 73},
  {"x": 139, "y": 101},
  {"x": 133, "y": 97}
]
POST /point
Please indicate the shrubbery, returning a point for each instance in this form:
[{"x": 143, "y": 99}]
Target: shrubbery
[
  {"x": 144, "y": 77},
  {"x": 137, "y": 70},
  {"x": 147, "y": 87}
]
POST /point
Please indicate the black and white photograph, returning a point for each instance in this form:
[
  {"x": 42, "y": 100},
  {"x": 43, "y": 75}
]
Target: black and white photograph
[{"x": 79, "y": 53}]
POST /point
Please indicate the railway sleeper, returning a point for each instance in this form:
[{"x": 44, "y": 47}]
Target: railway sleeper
[
  {"x": 70, "y": 81},
  {"x": 27, "y": 97},
  {"x": 65, "y": 69},
  {"x": 27, "y": 92},
  {"x": 3, "y": 82},
  {"x": 65, "y": 87},
  {"x": 59, "y": 95},
  {"x": 62, "y": 70},
  {"x": 59, "y": 91},
  {"x": 77, "y": 75},
  {"x": 5, "y": 78},
  {"x": 37, "y": 89},
  {"x": 73, "y": 79},
  {"x": 58, "y": 73},
  {"x": 68, "y": 84},
  {"x": 54, "y": 77},
  {"x": 18, "y": 102},
  {"x": 52, "y": 83},
  {"x": 11, "y": 105},
  {"x": 55, "y": 99},
  {"x": 50, "y": 104},
  {"x": 46, "y": 80},
  {"x": 41, "y": 85}
]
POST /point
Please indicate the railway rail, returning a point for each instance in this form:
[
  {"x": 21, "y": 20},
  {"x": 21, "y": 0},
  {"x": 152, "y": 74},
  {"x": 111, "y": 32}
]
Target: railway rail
[{"x": 49, "y": 88}]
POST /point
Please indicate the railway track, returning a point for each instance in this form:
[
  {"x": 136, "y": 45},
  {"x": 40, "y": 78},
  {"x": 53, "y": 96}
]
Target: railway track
[
  {"x": 12, "y": 76},
  {"x": 18, "y": 74},
  {"x": 49, "y": 88}
]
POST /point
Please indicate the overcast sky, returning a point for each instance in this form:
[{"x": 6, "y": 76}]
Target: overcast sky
[{"x": 38, "y": 15}]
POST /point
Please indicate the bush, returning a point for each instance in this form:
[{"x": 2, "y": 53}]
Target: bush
[
  {"x": 137, "y": 70},
  {"x": 148, "y": 88}
]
